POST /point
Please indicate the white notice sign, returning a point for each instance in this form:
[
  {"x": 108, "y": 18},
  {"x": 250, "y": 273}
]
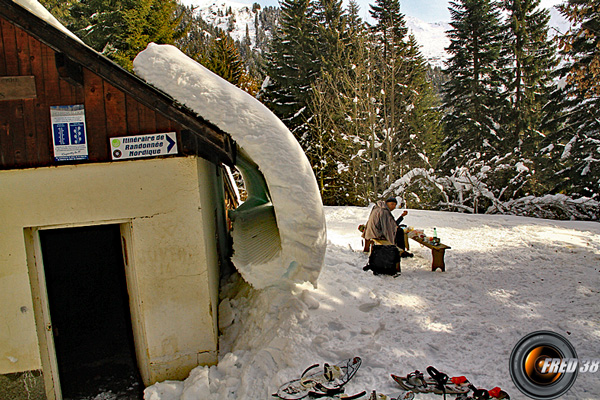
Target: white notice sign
[
  {"x": 156, "y": 144},
  {"x": 68, "y": 133}
]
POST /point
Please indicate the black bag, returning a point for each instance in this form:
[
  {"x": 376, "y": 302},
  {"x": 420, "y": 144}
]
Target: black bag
[
  {"x": 383, "y": 260},
  {"x": 400, "y": 238}
]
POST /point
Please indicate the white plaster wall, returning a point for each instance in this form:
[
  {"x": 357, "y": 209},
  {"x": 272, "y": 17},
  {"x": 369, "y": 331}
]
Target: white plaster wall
[{"x": 171, "y": 210}]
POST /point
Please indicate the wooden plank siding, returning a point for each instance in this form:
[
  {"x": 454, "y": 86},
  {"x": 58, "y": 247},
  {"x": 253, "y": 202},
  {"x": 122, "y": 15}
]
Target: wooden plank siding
[
  {"x": 116, "y": 110},
  {"x": 10, "y": 116},
  {"x": 2, "y": 54},
  {"x": 25, "y": 126},
  {"x": 147, "y": 109},
  {"x": 25, "y": 144},
  {"x": 41, "y": 152},
  {"x": 95, "y": 116}
]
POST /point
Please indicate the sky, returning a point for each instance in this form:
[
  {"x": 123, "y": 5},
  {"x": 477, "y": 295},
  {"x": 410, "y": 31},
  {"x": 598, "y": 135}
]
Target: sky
[{"x": 426, "y": 10}]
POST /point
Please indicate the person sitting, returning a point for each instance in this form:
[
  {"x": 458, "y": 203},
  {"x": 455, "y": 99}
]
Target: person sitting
[{"x": 383, "y": 229}]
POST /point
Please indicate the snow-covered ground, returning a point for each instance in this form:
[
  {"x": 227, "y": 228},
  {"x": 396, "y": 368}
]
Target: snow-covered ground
[{"x": 506, "y": 277}]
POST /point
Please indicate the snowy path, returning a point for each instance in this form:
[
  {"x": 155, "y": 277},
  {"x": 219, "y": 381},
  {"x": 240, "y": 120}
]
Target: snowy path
[{"x": 506, "y": 277}]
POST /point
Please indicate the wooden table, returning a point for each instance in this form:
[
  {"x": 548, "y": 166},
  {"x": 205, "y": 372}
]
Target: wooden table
[{"x": 437, "y": 253}]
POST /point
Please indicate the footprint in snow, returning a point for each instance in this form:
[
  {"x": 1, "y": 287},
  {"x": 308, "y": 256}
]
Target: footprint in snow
[
  {"x": 366, "y": 307},
  {"x": 335, "y": 326}
]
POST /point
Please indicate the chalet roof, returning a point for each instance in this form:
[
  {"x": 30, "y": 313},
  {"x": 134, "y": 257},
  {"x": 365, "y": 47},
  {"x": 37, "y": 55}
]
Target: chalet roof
[{"x": 204, "y": 138}]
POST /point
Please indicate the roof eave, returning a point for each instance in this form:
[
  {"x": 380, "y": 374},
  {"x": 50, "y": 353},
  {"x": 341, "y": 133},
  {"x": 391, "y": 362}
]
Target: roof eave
[{"x": 198, "y": 135}]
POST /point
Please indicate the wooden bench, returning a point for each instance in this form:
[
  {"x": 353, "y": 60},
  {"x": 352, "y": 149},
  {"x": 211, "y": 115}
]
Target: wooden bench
[{"x": 437, "y": 253}]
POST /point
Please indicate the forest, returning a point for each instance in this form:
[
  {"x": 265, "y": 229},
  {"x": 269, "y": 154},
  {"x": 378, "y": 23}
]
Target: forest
[{"x": 510, "y": 125}]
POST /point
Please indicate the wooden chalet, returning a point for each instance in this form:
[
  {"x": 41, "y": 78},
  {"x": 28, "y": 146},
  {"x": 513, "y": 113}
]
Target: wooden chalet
[{"x": 102, "y": 256}]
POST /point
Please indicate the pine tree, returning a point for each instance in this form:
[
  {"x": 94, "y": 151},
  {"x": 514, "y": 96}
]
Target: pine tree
[
  {"x": 223, "y": 58},
  {"x": 59, "y": 9},
  {"x": 372, "y": 106},
  {"x": 530, "y": 80},
  {"x": 351, "y": 90},
  {"x": 582, "y": 43},
  {"x": 407, "y": 122},
  {"x": 326, "y": 123},
  {"x": 332, "y": 32},
  {"x": 199, "y": 34},
  {"x": 576, "y": 145},
  {"x": 121, "y": 29},
  {"x": 293, "y": 66},
  {"x": 532, "y": 61},
  {"x": 474, "y": 95}
]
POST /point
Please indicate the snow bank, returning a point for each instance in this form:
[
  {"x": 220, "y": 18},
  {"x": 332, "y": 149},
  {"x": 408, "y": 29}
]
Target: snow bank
[
  {"x": 289, "y": 176},
  {"x": 39, "y": 11}
]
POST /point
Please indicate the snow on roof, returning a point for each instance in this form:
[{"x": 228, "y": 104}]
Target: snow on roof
[
  {"x": 268, "y": 142},
  {"x": 40, "y": 11}
]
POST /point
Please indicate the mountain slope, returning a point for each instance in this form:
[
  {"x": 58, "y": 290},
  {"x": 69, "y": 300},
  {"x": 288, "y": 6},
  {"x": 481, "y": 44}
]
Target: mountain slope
[{"x": 240, "y": 20}]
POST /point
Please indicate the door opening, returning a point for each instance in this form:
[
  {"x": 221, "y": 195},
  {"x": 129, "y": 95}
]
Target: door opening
[{"x": 89, "y": 310}]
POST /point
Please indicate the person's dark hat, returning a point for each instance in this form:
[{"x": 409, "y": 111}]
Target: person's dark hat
[{"x": 392, "y": 200}]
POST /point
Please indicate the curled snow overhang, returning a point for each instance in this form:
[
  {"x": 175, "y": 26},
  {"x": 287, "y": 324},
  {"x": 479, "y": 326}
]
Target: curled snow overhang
[{"x": 279, "y": 233}]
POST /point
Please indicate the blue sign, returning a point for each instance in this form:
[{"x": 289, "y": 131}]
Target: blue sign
[
  {"x": 77, "y": 130},
  {"x": 61, "y": 138},
  {"x": 68, "y": 130}
]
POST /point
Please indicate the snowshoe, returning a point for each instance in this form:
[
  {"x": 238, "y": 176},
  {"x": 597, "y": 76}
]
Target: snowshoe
[
  {"x": 438, "y": 383},
  {"x": 497, "y": 393},
  {"x": 341, "y": 396},
  {"x": 415, "y": 381},
  {"x": 482, "y": 394},
  {"x": 402, "y": 396},
  {"x": 326, "y": 382}
]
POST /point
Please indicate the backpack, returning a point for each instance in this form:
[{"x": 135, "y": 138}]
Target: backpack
[{"x": 383, "y": 260}]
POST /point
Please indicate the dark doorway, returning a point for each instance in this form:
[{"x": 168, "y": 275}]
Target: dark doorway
[{"x": 89, "y": 309}]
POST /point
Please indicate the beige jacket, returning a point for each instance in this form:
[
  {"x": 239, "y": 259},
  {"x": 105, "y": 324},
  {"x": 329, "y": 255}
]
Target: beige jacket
[{"x": 381, "y": 223}]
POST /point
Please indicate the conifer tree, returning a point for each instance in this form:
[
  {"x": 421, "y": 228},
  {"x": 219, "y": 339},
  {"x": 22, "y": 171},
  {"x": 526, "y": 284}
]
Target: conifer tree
[
  {"x": 292, "y": 67},
  {"x": 199, "y": 34},
  {"x": 59, "y": 9},
  {"x": 529, "y": 77},
  {"x": 389, "y": 34},
  {"x": 223, "y": 58},
  {"x": 532, "y": 62},
  {"x": 121, "y": 29},
  {"x": 575, "y": 145},
  {"x": 351, "y": 88},
  {"x": 332, "y": 32},
  {"x": 474, "y": 94},
  {"x": 371, "y": 106},
  {"x": 406, "y": 120},
  {"x": 356, "y": 26}
]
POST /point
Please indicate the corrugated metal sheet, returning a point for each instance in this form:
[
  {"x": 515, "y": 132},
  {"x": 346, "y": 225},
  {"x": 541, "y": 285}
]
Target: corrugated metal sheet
[{"x": 255, "y": 235}]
